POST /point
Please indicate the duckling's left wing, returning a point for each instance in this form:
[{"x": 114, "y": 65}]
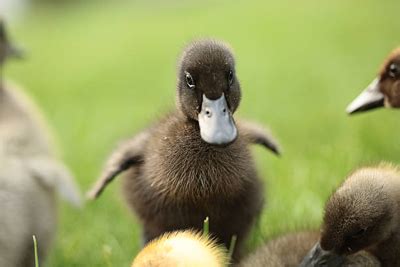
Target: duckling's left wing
[
  {"x": 127, "y": 155},
  {"x": 257, "y": 134},
  {"x": 53, "y": 174}
]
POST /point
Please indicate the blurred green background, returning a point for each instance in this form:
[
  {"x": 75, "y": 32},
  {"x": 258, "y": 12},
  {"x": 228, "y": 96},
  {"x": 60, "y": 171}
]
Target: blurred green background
[{"x": 103, "y": 70}]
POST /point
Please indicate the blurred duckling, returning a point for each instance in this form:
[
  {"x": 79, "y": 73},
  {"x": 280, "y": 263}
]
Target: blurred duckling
[
  {"x": 30, "y": 175},
  {"x": 183, "y": 249},
  {"x": 290, "y": 249},
  {"x": 384, "y": 91},
  {"x": 363, "y": 214},
  {"x": 195, "y": 162}
]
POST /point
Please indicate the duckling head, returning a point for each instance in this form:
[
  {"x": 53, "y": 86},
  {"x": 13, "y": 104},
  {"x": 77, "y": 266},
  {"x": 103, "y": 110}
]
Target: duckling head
[
  {"x": 7, "y": 50},
  {"x": 182, "y": 248},
  {"x": 358, "y": 216},
  {"x": 384, "y": 90},
  {"x": 208, "y": 90}
]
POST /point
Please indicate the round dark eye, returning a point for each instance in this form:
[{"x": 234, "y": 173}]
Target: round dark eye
[
  {"x": 230, "y": 77},
  {"x": 394, "y": 70},
  {"x": 189, "y": 80},
  {"x": 359, "y": 233}
]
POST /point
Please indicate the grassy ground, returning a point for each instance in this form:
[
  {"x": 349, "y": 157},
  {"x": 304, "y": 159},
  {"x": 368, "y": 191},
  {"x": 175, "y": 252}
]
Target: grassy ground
[{"x": 102, "y": 72}]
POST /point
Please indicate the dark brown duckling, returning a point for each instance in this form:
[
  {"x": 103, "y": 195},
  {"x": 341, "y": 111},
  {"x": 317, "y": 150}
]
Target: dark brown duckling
[
  {"x": 290, "y": 249},
  {"x": 195, "y": 162},
  {"x": 363, "y": 214},
  {"x": 384, "y": 91}
]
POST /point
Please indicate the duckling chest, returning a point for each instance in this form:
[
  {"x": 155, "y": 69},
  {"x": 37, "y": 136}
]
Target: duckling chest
[{"x": 181, "y": 164}]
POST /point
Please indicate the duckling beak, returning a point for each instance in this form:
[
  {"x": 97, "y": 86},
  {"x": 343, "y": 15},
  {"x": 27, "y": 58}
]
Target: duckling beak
[
  {"x": 216, "y": 123},
  {"x": 370, "y": 98},
  {"x": 319, "y": 257}
]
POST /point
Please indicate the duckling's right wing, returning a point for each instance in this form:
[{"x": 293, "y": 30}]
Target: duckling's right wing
[
  {"x": 127, "y": 155},
  {"x": 257, "y": 134},
  {"x": 53, "y": 174}
]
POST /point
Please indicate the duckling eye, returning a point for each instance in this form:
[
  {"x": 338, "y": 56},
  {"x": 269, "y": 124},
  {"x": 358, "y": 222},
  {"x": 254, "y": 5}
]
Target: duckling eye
[
  {"x": 189, "y": 80},
  {"x": 394, "y": 70},
  {"x": 230, "y": 77},
  {"x": 359, "y": 233}
]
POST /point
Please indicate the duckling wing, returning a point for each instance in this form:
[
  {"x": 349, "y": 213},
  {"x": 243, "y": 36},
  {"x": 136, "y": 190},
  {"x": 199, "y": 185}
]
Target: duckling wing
[
  {"x": 127, "y": 155},
  {"x": 257, "y": 134},
  {"x": 53, "y": 174}
]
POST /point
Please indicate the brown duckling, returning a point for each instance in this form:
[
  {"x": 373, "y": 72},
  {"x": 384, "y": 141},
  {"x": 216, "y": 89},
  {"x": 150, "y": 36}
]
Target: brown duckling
[
  {"x": 30, "y": 176},
  {"x": 195, "y": 162},
  {"x": 384, "y": 90},
  {"x": 290, "y": 249},
  {"x": 184, "y": 249},
  {"x": 363, "y": 214}
]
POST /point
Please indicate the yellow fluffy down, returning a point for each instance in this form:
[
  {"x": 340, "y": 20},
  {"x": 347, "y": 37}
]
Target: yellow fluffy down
[{"x": 181, "y": 249}]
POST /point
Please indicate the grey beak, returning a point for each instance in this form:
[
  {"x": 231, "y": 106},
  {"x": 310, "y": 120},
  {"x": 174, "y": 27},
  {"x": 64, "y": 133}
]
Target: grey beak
[
  {"x": 317, "y": 257},
  {"x": 370, "y": 98},
  {"x": 216, "y": 123}
]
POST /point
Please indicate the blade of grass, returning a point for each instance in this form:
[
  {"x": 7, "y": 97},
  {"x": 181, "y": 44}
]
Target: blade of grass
[
  {"x": 36, "y": 251},
  {"x": 206, "y": 227},
  {"x": 232, "y": 246}
]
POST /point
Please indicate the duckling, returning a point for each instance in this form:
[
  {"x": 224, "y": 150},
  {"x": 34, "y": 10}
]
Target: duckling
[
  {"x": 195, "y": 162},
  {"x": 363, "y": 214},
  {"x": 182, "y": 248},
  {"x": 30, "y": 176},
  {"x": 384, "y": 90},
  {"x": 290, "y": 249}
]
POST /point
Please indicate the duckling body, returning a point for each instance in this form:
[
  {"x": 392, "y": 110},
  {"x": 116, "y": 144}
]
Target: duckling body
[
  {"x": 30, "y": 176},
  {"x": 182, "y": 248},
  {"x": 284, "y": 251},
  {"x": 28, "y": 208},
  {"x": 290, "y": 249},
  {"x": 189, "y": 166},
  {"x": 193, "y": 180},
  {"x": 363, "y": 214}
]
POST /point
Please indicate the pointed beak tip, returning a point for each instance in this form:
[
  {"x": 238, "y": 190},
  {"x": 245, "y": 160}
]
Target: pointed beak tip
[{"x": 350, "y": 110}]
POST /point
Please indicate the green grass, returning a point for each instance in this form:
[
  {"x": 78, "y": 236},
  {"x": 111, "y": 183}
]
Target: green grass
[
  {"x": 35, "y": 248},
  {"x": 101, "y": 72}
]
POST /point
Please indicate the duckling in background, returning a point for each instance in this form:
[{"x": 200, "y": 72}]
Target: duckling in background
[
  {"x": 363, "y": 214},
  {"x": 30, "y": 175},
  {"x": 195, "y": 162},
  {"x": 184, "y": 249},
  {"x": 290, "y": 249},
  {"x": 287, "y": 250},
  {"x": 384, "y": 90}
]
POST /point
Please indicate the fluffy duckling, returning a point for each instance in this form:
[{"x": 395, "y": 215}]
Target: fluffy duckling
[
  {"x": 30, "y": 175},
  {"x": 363, "y": 214},
  {"x": 195, "y": 162},
  {"x": 290, "y": 249},
  {"x": 184, "y": 249},
  {"x": 384, "y": 90}
]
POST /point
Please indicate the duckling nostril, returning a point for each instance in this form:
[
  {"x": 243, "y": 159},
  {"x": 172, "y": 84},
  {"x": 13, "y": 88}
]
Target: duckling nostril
[
  {"x": 208, "y": 113},
  {"x": 224, "y": 110}
]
